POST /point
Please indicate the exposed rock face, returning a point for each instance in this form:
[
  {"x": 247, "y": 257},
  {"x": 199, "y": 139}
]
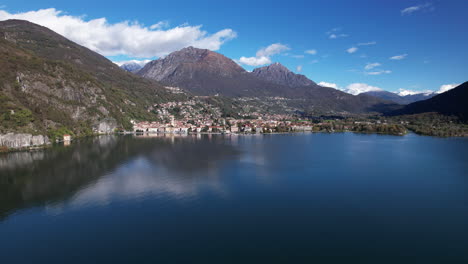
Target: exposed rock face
[
  {"x": 105, "y": 126},
  {"x": 186, "y": 62},
  {"x": 277, "y": 73},
  {"x": 16, "y": 141}
]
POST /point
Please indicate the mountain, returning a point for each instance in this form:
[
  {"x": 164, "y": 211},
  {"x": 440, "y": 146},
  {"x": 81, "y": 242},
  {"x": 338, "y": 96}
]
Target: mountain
[
  {"x": 49, "y": 83},
  {"x": 399, "y": 99},
  {"x": 279, "y": 74},
  {"x": 132, "y": 66},
  {"x": 204, "y": 72},
  {"x": 452, "y": 102},
  {"x": 411, "y": 98}
]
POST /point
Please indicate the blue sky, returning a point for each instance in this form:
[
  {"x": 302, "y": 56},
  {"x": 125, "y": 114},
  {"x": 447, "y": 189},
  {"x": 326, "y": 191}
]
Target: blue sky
[{"x": 353, "y": 40}]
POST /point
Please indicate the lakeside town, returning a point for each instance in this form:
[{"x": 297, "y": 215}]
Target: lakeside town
[
  {"x": 202, "y": 114},
  {"x": 260, "y": 126},
  {"x": 196, "y": 116}
]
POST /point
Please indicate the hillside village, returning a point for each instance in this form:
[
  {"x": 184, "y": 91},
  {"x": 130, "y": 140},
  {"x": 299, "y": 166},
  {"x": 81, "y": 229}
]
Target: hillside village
[{"x": 197, "y": 116}]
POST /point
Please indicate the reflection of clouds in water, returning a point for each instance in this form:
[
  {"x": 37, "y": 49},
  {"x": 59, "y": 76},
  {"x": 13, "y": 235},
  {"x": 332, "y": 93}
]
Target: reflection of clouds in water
[
  {"x": 255, "y": 158},
  {"x": 255, "y": 149},
  {"x": 256, "y": 153},
  {"x": 100, "y": 170},
  {"x": 147, "y": 177}
]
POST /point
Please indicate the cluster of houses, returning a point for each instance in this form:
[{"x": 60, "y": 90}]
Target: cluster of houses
[{"x": 222, "y": 126}]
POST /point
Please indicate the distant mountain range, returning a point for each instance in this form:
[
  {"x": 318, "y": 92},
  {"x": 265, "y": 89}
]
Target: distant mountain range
[
  {"x": 401, "y": 99},
  {"x": 205, "y": 72},
  {"x": 452, "y": 102},
  {"x": 132, "y": 66}
]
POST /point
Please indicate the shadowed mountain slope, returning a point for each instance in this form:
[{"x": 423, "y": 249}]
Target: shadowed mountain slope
[
  {"x": 452, "y": 102},
  {"x": 399, "y": 99},
  {"x": 49, "y": 82}
]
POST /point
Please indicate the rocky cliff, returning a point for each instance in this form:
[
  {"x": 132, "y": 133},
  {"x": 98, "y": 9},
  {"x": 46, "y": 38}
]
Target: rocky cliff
[{"x": 18, "y": 141}]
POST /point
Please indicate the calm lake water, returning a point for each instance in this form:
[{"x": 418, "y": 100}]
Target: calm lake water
[{"x": 296, "y": 198}]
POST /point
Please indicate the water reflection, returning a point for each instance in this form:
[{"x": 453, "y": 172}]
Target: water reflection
[{"x": 101, "y": 169}]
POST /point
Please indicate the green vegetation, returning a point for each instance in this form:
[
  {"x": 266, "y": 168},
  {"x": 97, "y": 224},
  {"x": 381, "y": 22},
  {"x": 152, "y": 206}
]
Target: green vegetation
[
  {"x": 228, "y": 107},
  {"x": 58, "y": 133},
  {"x": 433, "y": 124},
  {"x": 14, "y": 117},
  {"x": 366, "y": 126},
  {"x": 48, "y": 82}
]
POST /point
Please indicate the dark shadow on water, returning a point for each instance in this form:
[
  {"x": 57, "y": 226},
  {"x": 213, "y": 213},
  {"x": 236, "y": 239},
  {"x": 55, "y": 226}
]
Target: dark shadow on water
[{"x": 29, "y": 179}]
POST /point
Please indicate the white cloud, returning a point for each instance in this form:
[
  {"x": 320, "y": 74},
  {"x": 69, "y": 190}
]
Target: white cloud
[
  {"x": 334, "y": 34},
  {"x": 357, "y": 88},
  {"x": 311, "y": 52},
  {"x": 444, "y": 88},
  {"x": 405, "y": 92},
  {"x": 271, "y": 50},
  {"x": 263, "y": 55},
  {"x": 255, "y": 61},
  {"x": 398, "y": 57},
  {"x": 378, "y": 72},
  {"x": 299, "y": 68},
  {"x": 367, "y": 43},
  {"x": 138, "y": 62},
  {"x": 370, "y": 66},
  {"x": 327, "y": 84},
  {"x": 352, "y": 50},
  {"x": 160, "y": 25},
  {"x": 412, "y": 9},
  {"x": 333, "y": 30},
  {"x": 124, "y": 38},
  {"x": 314, "y": 61}
]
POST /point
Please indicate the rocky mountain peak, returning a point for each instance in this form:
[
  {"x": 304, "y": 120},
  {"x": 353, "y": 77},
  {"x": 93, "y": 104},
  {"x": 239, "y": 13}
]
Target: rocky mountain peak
[
  {"x": 279, "y": 74},
  {"x": 188, "y": 62},
  {"x": 132, "y": 66}
]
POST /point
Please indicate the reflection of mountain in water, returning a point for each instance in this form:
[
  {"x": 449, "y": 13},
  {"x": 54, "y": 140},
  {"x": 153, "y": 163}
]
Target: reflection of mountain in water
[{"x": 54, "y": 175}]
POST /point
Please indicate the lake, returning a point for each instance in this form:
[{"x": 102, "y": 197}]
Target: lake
[{"x": 285, "y": 198}]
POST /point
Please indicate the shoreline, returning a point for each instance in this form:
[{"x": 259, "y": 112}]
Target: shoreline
[{"x": 5, "y": 150}]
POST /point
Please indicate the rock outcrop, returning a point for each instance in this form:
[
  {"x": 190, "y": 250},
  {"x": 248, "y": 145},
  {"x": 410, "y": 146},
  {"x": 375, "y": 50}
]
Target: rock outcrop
[
  {"x": 18, "y": 141},
  {"x": 277, "y": 73},
  {"x": 105, "y": 126}
]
